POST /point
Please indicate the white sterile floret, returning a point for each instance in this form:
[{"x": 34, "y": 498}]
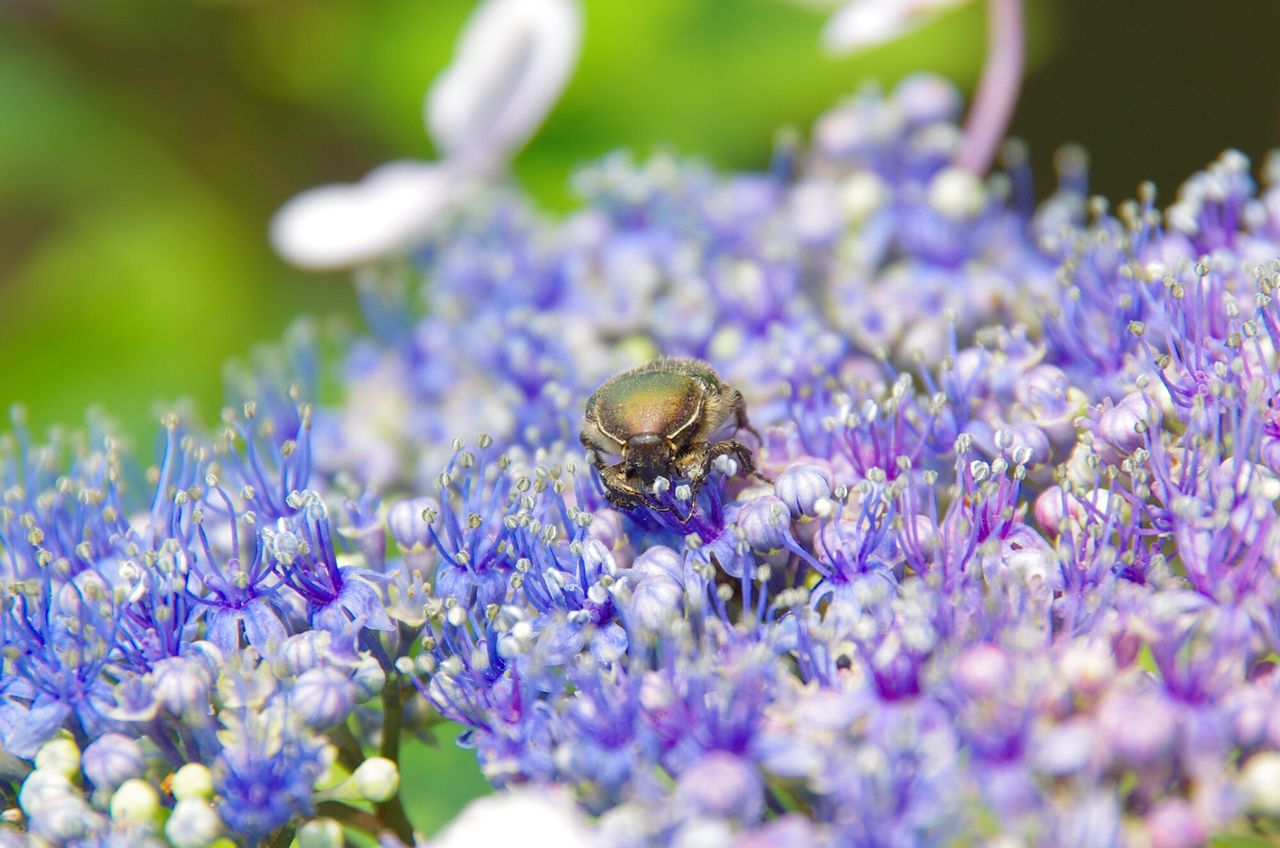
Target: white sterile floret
[
  {"x": 512, "y": 61},
  {"x": 862, "y": 24},
  {"x": 340, "y": 226},
  {"x": 531, "y": 818}
]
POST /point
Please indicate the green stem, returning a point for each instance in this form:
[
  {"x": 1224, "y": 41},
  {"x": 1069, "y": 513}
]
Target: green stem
[
  {"x": 392, "y": 811},
  {"x": 352, "y": 817},
  {"x": 350, "y": 752},
  {"x": 392, "y": 714},
  {"x": 283, "y": 838}
]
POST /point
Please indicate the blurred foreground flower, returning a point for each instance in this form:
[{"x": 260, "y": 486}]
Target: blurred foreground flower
[
  {"x": 534, "y": 818},
  {"x": 512, "y": 61}
]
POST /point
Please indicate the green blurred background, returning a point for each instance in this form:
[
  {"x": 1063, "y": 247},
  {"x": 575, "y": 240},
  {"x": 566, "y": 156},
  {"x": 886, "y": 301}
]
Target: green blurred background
[{"x": 144, "y": 146}]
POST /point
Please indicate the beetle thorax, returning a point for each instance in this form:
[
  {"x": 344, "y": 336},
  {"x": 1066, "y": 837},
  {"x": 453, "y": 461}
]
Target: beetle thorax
[{"x": 647, "y": 455}]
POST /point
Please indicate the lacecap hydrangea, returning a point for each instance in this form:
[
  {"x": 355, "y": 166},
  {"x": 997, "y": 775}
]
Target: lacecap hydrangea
[{"x": 1015, "y": 578}]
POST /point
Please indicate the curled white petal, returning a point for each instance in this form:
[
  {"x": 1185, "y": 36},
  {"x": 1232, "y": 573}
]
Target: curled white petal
[
  {"x": 341, "y": 226},
  {"x": 531, "y": 818},
  {"x": 863, "y": 24},
  {"x": 512, "y": 61}
]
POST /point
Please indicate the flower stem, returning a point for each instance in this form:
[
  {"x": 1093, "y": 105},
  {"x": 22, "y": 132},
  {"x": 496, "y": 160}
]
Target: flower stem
[
  {"x": 349, "y": 751},
  {"x": 998, "y": 88},
  {"x": 392, "y": 712},
  {"x": 284, "y": 837},
  {"x": 391, "y": 811},
  {"x": 359, "y": 819}
]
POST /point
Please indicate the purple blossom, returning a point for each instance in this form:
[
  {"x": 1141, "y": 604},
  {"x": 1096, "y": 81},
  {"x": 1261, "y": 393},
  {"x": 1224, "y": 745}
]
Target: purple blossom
[{"x": 1010, "y": 571}]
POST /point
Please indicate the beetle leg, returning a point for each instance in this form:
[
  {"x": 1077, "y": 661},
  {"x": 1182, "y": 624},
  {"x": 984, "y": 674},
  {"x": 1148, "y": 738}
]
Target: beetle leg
[
  {"x": 611, "y": 475},
  {"x": 740, "y": 453},
  {"x": 618, "y": 491},
  {"x": 694, "y": 464},
  {"x": 740, "y": 416}
]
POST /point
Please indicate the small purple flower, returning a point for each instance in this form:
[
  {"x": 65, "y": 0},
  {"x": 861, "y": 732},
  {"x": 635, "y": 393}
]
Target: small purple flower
[
  {"x": 265, "y": 772},
  {"x": 723, "y": 786}
]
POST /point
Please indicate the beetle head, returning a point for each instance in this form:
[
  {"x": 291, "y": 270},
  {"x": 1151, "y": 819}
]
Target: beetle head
[{"x": 647, "y": 456}]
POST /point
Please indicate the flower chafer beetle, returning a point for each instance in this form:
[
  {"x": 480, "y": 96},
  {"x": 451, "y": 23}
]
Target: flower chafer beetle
[{"x": 663, "y": 420}]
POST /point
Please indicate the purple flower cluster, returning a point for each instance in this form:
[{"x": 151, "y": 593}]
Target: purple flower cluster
[{"x": 1017, "y": 580}]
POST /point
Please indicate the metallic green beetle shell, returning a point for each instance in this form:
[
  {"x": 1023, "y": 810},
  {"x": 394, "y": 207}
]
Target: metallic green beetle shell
[{"x": 662, "y": 398}]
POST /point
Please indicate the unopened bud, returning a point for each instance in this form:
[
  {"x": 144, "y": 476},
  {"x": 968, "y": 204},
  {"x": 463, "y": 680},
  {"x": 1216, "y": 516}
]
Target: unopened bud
[
  {"x": 193, "y": 824},
  {"x": 1260, "y": 780},
  {"x": 192, "y": 781},
  {"x": 134, "y": 802},
  {"x": 320, "y": 833},
  {"x": 377, "y": 779},
  {"x": 60, "y": 755}
]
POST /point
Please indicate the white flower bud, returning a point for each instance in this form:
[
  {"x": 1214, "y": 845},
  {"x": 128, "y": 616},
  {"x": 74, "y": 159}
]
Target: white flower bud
[
  {"x": 861, "y": 195},
  {"x": 1260, "y": 780},
  {"x": 192, "y": 781},
  {"x": 65, "y": 820},
  {"x": 41, "y": 788},
  {"x": 801, "y": 487},
  {"x": 322, "y": 697},
  {"x": 377, "y": 779},
  {"x": 765, "y": 523},
  {"x": 59, "y": 754},
  {"x": 659, "y": 560},
  {"x": 320, "y": 833},
  {"x": 369, "y": 679},
  {"x": 110, "y": 760},
  {"x": 136, "y": 801},
  {"x": 656, "y": 600},
  {"x": 193, "y": 824},
  {"x": 957, "y": 193},
  {"x": 407, "y": 523},
  {"x": 304, "y": 651}
]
